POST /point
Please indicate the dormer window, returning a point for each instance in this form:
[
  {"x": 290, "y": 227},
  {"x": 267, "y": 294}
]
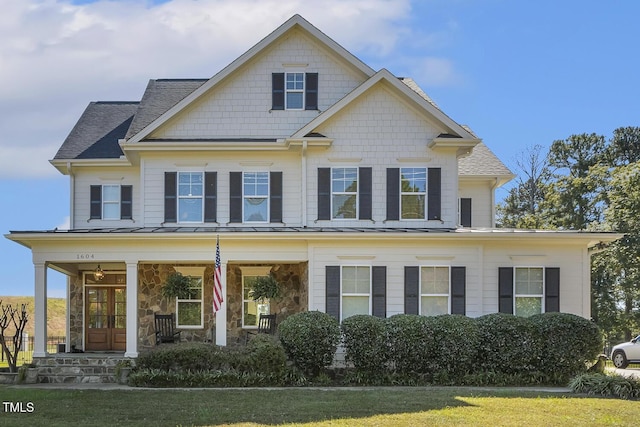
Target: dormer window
[{"x": 294, "y": 91}]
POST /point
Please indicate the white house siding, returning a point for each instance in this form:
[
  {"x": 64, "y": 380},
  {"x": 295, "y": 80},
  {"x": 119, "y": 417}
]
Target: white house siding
[
  {"x": 479, "y": 191},
  {"x": 572, "y": 259},
  {"x": 82, "y": 180},
  {"x": 241, "y": 106},
  {"x": 395, "y": 255},
  {"x": 481, "y": 259},
  {"x": 380, "y": 131},
  {"x": 222, "y": 162}
]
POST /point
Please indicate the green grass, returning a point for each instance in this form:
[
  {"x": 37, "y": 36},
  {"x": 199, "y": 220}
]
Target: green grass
[{"x": 335, "y": 407}]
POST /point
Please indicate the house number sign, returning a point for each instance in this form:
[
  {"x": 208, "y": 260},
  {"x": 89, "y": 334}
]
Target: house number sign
[{"x": 85, "y": 256}]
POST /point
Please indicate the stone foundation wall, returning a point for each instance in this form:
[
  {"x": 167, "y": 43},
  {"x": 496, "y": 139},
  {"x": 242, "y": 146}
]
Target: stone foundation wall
[
  {"x": 294, "y": 279},
  {"x": 151, "y": 277},
  {"x": 76, "y": 314}
]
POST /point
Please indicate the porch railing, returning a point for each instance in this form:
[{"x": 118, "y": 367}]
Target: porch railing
[{"x": 25, "y": 355}]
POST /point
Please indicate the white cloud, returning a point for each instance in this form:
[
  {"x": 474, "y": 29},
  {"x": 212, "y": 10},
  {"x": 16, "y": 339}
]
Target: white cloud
[
  {"x": 56, "y": 56},
  {"x": 433, "y": 71}
]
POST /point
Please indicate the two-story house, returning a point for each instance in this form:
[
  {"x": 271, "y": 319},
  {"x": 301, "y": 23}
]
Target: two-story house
[{"x": 349, "y": 185}]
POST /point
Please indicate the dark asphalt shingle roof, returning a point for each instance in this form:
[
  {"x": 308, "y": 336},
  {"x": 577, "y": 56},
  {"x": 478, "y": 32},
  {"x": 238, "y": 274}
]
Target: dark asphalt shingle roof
[
  {"x": 159, "y": 96},
  {"x": 96, "y": 134},
  {"x": 482, "y": 162}
]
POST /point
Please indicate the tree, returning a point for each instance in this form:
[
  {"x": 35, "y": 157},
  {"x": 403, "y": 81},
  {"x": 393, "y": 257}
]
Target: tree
[
  {"x": 522, "y": 206},
  {"x": 624, "y": 147},
  {"x": 576, "y": 198},
  {"x": 12, "y": 319}
]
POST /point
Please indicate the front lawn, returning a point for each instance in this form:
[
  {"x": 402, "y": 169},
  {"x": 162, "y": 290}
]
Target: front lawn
[{"x": 336, "y": 407}]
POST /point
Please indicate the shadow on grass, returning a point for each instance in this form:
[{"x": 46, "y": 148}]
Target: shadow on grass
[{"x": 234, "y": 406}]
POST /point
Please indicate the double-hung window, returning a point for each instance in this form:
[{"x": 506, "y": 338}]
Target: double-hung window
[
  {"x": 356, "y": 290},
  {"x": 189, "y": 310},
  {"x": 255, "y": 196},
  {"x": 111, "y": 202},
  {"x": 413, "y": 192},
  {"x": 434, "y": 290},
  {"x": 190, "y": 196},
  {"x": 344, "y": 193},
  {"x": 294, "y": 91},
  {"x": 529, "y": 291}
]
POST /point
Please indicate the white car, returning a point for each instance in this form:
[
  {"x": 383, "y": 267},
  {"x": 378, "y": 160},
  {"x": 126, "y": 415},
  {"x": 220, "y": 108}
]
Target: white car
[{"x": 625, "y": 353}]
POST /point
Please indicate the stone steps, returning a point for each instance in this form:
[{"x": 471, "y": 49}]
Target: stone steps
[{"x": 78, "y": 368}]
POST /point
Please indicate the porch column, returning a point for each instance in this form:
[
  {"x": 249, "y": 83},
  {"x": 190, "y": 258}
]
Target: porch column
[
  {"x": 40, "y": 311},
  {"x": 132, "y": 310},
  {"x": 221, "y": 315}
]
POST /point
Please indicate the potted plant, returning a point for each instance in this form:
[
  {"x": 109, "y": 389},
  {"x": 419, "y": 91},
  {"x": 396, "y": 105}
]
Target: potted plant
[
  {"x": 177, "y": 286},
  {"x": 265, "y": 288},
  {"x": 122, "y": 371}
]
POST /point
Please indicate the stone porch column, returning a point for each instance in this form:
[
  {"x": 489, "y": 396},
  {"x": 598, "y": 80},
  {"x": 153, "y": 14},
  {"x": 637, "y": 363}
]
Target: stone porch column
[
  {"x": 40, "y": 310},
  {"x": 221, "y": 315},
  {"x": 132, "y": 310}
]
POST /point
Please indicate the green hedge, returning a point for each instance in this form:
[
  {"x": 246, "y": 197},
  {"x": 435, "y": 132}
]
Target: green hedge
[
  {"x": 567, "y": 343},
  {"x": 365, "y": 343},
  {"x": 310, "y": 340}
]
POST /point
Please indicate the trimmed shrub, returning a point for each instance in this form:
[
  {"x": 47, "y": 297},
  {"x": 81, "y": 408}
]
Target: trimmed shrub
[
  {"x": 507, "y": 344},
  {"x": 265, "y": 354},
  {"x": 310, "y": 340},
  {"x": 411, "y": 343},
  {"x": 185, "y": 356},
  {"x": 365, "y": 342},
  {"x": 568, "y": 343},
  {"x": 606, "y": 385},
  {"x": 456, "y": 345}
]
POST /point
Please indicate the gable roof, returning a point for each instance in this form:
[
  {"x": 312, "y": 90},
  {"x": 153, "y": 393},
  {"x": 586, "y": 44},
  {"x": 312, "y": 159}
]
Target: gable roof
[
  {"x": 405, "y": 89},
  {"x": 96, "y": 134},
  {"x": 295, "y": 22}
]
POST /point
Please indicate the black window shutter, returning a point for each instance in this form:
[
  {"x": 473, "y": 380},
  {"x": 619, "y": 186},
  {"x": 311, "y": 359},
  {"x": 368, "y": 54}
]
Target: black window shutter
[
  {"x": 277, "y": 91},
  {"x": 324, "y": 193},
  {"x": 393, "y": 194},
  {"x": 235, "y": 196},
  {"x": 126, "y": 202},
  {"x": 364, "y": 193},
  {"x": 434, "y": 193},
  {"x": 311, "y": 91},
  {"x": 505, "y": 290},
  {"x": 458, "y": 290},
  {"x": 465, "y": 212},
  {"x": 275, "y": 197},
  {"x": 332, "y": 285},
  {"x": 95, "y": 211},
  {"x": 552, "y": 289},
  {"x": 210, "y": 197},
  {"x": 411, "y": 289},
  {"x": 379, "y": 284},
  {"x": 170, "y": 197}
]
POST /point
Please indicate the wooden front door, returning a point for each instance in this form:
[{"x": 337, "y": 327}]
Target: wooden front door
[{"x": 106, "y": 319}]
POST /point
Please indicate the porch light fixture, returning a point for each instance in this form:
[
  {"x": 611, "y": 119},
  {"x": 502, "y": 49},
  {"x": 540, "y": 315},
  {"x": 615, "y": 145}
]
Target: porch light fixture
[{"x": 98, "y": 273}]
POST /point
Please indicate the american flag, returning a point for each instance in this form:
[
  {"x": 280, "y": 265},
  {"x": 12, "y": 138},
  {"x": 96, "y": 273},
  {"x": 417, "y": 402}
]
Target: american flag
[{"x": 217, "y": 286}]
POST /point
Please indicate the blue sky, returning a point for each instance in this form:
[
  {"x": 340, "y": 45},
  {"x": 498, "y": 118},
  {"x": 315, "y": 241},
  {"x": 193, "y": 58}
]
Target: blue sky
[{"x": 519, "y": 73}]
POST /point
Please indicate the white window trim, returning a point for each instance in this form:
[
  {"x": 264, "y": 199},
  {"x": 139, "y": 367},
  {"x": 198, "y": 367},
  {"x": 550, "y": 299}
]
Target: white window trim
[
  {"x": 345, "y": 193},
  {"x": 448, "y": 295},
  {"x": 287, "y": 91},
  {"x": 267, "y": 197},
  {"x": 343, "y": 294},
  {"x": 251, "y": 271},
  {"x": 541, "y": 296},
  {"x": 195, "y": 272},
  {"x": 404, "y": 193},
  {"x": 179, "y": 197}
]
